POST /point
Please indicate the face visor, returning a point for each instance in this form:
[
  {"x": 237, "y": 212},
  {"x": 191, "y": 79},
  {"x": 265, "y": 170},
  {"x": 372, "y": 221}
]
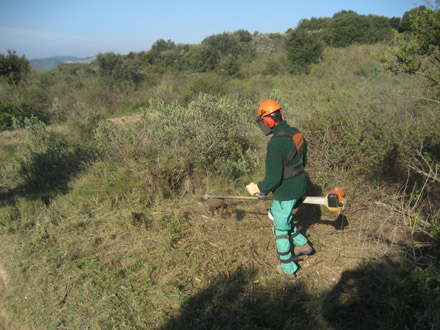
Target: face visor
[{"x": 266, "y": 130}]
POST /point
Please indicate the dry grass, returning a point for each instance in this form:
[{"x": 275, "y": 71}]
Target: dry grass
[{"x": 104, "y": 265}]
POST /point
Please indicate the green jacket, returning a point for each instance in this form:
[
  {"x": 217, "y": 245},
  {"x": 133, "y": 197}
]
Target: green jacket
[{"x": 277, "y": 149}]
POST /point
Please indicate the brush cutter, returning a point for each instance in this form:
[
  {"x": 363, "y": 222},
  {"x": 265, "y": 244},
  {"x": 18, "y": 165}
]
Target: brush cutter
[{"x": 335, "y": 200}]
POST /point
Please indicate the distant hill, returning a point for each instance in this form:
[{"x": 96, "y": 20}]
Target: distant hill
[{"x": 47, "y": 64}]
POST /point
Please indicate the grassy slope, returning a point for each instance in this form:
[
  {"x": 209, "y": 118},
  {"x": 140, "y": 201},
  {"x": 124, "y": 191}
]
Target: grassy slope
[{"x": 101, "y": 256}]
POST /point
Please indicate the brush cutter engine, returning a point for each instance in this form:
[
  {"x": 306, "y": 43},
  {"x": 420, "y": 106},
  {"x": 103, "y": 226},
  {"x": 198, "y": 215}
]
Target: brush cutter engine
[{"x": 336, "y": 200}]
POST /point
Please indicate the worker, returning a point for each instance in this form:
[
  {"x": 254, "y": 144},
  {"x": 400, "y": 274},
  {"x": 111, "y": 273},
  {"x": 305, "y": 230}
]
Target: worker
[{"x": 286, "y": 180}]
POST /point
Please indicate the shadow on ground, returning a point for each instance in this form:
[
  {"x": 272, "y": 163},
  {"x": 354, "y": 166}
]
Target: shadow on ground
[
  {"x": 307, "y": 214},
  {"x": 384, "y": 295},
  {"x": 46, "y": 175},
  {"x": 235, "y": 302},
  {"x": 373, "y": 296}
]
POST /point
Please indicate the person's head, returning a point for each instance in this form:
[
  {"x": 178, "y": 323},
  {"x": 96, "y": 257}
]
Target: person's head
[{"x": 269, "y": 113}]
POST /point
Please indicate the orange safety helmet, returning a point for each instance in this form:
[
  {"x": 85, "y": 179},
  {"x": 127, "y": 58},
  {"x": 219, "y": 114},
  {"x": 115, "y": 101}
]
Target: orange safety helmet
[{"x": 267, "y": 108}]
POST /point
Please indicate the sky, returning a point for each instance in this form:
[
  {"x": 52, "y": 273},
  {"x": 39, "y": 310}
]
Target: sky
[{"x": 83, "y": 28}]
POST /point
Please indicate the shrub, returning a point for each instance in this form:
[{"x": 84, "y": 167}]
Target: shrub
[
  {"x": 208, "y": 134},
  {"x": 30, "y": 103},
  {"x": 119, "y": 71},
  {"x": 13, "y": 67},
  {"x": 418, "y": 52},
  {"x": 348, "y": 27},
  {"x": 200, "y": 59},
  {"x": 176, "y": 147},
  {"x": 303, "y": 49},
  {"x": 43, "y": 162}
]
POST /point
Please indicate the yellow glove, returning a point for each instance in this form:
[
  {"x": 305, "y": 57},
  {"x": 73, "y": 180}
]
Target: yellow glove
[{"x": 252, "y": 188}]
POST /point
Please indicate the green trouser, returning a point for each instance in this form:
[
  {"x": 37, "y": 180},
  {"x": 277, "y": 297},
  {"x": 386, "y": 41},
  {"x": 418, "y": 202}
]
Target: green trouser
[{"x": 282, "y": 213}]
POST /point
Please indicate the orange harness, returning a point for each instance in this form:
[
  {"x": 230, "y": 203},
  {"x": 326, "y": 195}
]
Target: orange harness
[{"x": 297, "y": 148}]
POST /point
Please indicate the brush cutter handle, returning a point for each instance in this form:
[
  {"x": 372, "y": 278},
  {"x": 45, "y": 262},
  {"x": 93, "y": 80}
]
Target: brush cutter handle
[{"x": 263, "y": 197}]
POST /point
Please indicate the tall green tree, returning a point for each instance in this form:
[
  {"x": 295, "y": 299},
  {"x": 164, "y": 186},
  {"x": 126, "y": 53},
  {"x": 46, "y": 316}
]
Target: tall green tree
[
  {"x": 303, "y": 49},
  {"x": 418, "y": 51},
  {"x": 118, "y": 70},
  {"x": 406, "y": 22},
  {"x": 348, "y": 27},
  {"x": 159, "y": 47},
  {"x": 13, "y": 67}
]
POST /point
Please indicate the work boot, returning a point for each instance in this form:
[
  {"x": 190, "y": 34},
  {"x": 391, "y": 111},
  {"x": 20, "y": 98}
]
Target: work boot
[
  {"x": 306, "y": 249},
  {"x": 290, "y": 277}
]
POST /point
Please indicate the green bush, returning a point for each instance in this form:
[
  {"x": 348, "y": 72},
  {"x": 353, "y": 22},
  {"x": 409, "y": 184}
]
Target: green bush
[
  {"x": 84, "y": 126},
  {"x": 13, "y": 67},
  {"x": 109, "y": 139},
  {"x": 418, "y": 51},
  {"x": 200, "y": 59},
  {"x": 31, "y": 103},
  {"x": 176, "y": 147},
  {"x": 209, "y": 134},
  {"x": 348, "y": 27},
  {"x": 408, "y": 17},
  {"x": 119, "y": 71},
  {"x": 43, "y": 162},
  {"x": 303, "y": 49},
  {"x": 207, "y": 83}
]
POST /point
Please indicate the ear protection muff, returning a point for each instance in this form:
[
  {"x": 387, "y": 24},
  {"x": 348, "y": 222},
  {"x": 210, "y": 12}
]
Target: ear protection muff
[{"x": 269, "y": 122}]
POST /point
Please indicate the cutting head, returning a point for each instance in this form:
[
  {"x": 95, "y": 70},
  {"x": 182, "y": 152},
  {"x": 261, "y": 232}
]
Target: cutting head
[{"x": 215, "y": 203}]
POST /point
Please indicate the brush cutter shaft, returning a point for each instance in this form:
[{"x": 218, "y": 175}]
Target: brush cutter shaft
[
  {"x": 257, "y": 196},
  {"x": 307, "y": 200},
  {"x": 316, "y": 200},
  {"x": 207, "y": 196},
  {"x": 335, "y": 201}
]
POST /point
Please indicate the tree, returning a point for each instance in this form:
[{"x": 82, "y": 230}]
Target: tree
[
  {"x": 201, "y": 58},
  {"x": 419, "y": 51},
  {"x": 161, "y": 46},
  {"x": 303, "y": 49},
  {"x": 348, "y": 27},
  {"x": 13, "y": 67},
  {"x": 407, "y": 18},
  {"x": 243, "y": 35},
  {"x": 223, "y": 44},
  {"x": 119, "y": 70},
  {"x": 314, "y": 24},
  {"x": 109, "y": 64},
  {"x": 395, "y": 22}
]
